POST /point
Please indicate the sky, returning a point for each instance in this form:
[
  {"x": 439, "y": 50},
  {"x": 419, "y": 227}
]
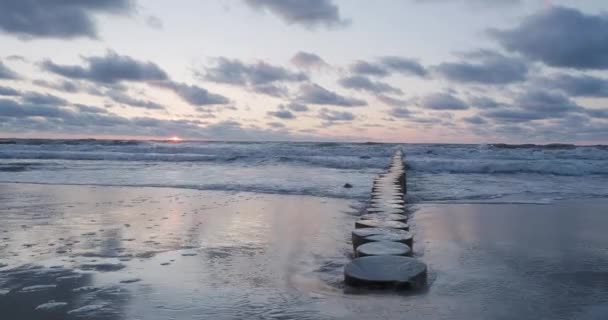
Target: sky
[{"x": 448, "y": 71}]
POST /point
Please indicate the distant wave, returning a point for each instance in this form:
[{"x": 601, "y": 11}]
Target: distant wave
[
  {"x": 552, "y": 146},
  {"x": 70, "y": 142},
  {"x": 484, "y": 166},
  {"x": 336, "y": 162}
]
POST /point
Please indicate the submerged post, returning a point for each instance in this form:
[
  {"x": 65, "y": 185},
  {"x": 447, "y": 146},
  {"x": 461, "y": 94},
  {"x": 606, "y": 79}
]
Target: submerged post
[{"x": 381, "y": 239}]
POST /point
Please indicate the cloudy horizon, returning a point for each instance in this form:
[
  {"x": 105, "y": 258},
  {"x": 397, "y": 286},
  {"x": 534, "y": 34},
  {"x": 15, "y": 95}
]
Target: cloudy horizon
[{"x": 466, "y": 71}]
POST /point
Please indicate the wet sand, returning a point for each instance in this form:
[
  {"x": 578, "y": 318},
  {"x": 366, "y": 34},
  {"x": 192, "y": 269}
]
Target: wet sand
[{"x": 77, "y": 252}]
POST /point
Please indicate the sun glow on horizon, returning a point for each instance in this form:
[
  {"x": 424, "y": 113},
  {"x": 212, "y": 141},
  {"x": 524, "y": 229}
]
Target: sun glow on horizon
[{"x": 176, "y": 139}]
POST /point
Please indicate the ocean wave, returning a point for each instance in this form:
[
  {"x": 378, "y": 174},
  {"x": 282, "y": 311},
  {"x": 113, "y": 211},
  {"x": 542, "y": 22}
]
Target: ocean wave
[
  {"x": 482, "y": 166},
  {"x": 552, "y": 146},
  {"x": 334, "y": 161}
]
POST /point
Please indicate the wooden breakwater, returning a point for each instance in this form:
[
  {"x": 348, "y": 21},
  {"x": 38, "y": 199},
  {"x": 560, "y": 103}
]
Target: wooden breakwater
[{"x": 382, "y": 241}]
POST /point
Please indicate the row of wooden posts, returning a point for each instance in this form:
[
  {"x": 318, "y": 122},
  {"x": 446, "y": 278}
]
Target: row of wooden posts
[{"x": 382, "y": 241}]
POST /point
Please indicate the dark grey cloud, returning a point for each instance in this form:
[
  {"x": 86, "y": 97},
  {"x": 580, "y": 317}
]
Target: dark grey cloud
[
  {"x": 400, "y": 112},
  {"x": 57, "y": 18},
  {"x": 483, "y": 102},
  {"x": 309, "y": 13},
  {"x": 388, "y": 65},
  {"x": 478, "y": 3},
  {"x": 6, "y": 91},
  {"x": 331, "y": 116},
  {"x": 597, "y": 113},
  {"x": 271, "y": 90},
  {"x": 7, "y": 73},
  {"x": 442, "y": 101},
  {"x": 361, "y": 67},
  {"x": 308, "y": 61},
  {"x": 109, "y": 69},
  {"x": 545, "y": 102},
  {"x": 232, "y": 71},
  {"x": 535, "y": 105},
  {"x": 295, "y": 107},
  {"x": 90, "y": 109},
  {"x": 560, "y": 37},
  {"x": 282, "y": 114},
  {"x": 475, "y": 120},
  {"x": 391, "y": 101},
  {"x": 43, "y": 99},
  {"x": 123, "y": 98},
  {"x": 193, "y": 94},
  {"x": 486, "y": 67},
  {"x": 577, "y": 85},
  {"x": 405, "y": 66},
  {"x": 362, "y": 83},
  {"x": 260, "y": 77},
  {"x": 12, "y": 108},
  {"x": 315, "y": 94},
  {"x": 64, "y": 85},
  {"x": 275, "y": 124}
]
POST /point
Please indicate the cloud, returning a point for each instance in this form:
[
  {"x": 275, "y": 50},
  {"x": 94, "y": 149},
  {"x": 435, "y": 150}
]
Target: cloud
[
  {"x": 109, "y": 69},
  {"x": 308, "y": 61},
  {"x": 7, "y": 73},
  {"x": 400, "y": 112},
  {"x": 6, "y": 91},
  {"x": 282, "y": 114},
  {"x": 443, "y": 101},
  {"x": 56, "y": 19},
  {"x": 16, "y": 57},
  {"x": 274, "y": 124},
  {"x": 154, "y": 22},
  {"x": 271, "y": 90},
  {"x": 94, "y": 121},
  {"x": 74, "y": 86},
  {"x": 492, "y": 68},
  {"x": 391, "y": 101},
  {"x": 404, "y": 66},
  {"x": 11, "y": 108},
  {"x": 577, "y": 85},
  {"x": 478, "y": 3},
  {"x": 260, "y": 77},
  {"x": 331, "y": 116},
  {"x": 475, "y": 120},
  {"x": 533, "y": 105},
  {"x": 309, "y": 13},
  {"x": 362, "y": 83},
  {"x": 90, "y": 109},
  {"x": 122, "y": 98},
  {"x": 484, "y": 102},
  {"x": 361, "y": 67},
  {"x": 42, "y": 99},
  {"x": 193, "y": 94},
  {"x": 560, "y": 37},
  {"x": 545, "y": 102},
  {"x": 232, "y": 71},
  {"x": 295, "y": 107},
  {"x": 387, "y": 65},
  {"x": 315, "y": 94}
]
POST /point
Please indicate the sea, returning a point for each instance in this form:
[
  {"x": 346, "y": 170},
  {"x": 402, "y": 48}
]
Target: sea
[{"x": 467, "y": 173}]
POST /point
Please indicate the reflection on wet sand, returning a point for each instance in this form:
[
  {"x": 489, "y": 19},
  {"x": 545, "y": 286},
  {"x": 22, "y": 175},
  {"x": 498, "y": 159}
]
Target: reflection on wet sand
[
  {"x": 114, "y": 253},
  {"x": 128, "y": 253}
]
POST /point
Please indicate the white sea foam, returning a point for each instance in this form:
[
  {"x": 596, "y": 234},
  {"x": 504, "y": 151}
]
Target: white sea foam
[{"x": 435, "y": 172}]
